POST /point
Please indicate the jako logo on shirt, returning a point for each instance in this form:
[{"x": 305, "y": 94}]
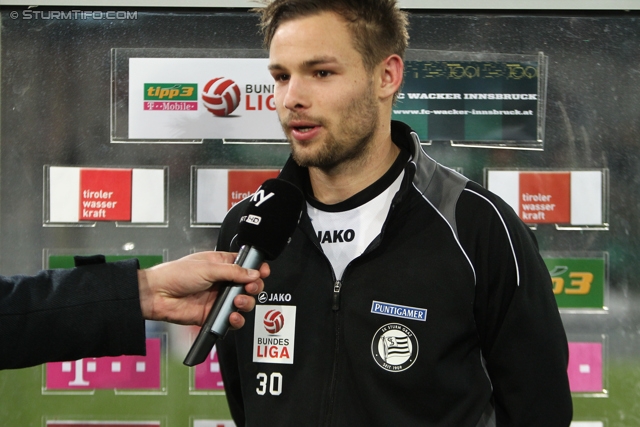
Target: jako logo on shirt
[
  {"x": 221, "y": 96},
  {"x": 336, "y": 236}
]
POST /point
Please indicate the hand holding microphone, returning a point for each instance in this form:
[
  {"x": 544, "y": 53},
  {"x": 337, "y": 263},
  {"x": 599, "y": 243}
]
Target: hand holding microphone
[{"x": 265, "y": 229}]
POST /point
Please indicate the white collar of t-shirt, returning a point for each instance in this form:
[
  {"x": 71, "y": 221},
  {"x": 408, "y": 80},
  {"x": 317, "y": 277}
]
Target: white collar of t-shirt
[{"x": 346, "y": 234}]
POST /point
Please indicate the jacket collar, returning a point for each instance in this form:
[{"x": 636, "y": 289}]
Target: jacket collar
[
  {"x": 420, "y": 167},
  {"x": 439, "y": 185}
]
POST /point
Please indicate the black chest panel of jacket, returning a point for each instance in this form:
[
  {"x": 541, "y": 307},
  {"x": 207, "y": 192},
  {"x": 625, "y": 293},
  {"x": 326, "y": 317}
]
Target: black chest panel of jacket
[{"x": 413, "y": 334}]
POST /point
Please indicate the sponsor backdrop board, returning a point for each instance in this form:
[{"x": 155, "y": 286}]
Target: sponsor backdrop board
[
  {"x": 207, "y": 377},
  {"x": 483, "y": 102},
  {"x": 570, "y": 199},
  {"x": 134, "y": 374},
  {"x": 201, "y": 98},
  {"x": 579, "y": 283},
  {"x": 215, "y": 191},
  {"x": 65, "y": 96},
  {"x": 122, "y": 374},
  {"x": 82, "y": 195},
  {"x": 587, "y": 368},
  {"x": 66, "y": 261}
]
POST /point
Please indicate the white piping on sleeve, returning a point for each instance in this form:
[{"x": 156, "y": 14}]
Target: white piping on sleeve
[
  {"x": 515, "y": 259},
  {"x": 455, "y": 236}
]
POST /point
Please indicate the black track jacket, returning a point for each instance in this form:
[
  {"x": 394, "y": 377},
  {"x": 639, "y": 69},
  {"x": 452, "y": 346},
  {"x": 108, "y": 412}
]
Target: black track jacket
[{"x": 447, "y": 319}]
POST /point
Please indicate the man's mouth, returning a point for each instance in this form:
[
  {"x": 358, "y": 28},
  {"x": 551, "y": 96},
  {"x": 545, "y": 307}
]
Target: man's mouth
[{"x": 303, "y": 129}]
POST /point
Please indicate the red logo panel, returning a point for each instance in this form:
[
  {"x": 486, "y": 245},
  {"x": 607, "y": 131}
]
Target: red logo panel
[
  {"x": 105, "y": 194},
  {"x": 545, "y": 197},
  {"x": 243, "y": 184}
]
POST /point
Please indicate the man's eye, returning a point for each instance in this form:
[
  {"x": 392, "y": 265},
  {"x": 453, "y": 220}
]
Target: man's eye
[
  {"x": 323, "y": 73},
  {"x": 281, "y": 77}
]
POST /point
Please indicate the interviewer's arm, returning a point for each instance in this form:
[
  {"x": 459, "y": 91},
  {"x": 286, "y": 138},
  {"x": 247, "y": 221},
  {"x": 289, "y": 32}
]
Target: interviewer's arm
[{"x": 99, "y": 309}]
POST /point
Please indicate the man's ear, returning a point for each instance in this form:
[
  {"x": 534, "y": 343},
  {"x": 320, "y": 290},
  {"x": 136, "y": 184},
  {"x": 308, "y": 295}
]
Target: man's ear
[{"x": 391, "y": 72}]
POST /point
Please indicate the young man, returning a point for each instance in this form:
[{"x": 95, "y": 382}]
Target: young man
[
  {"x": 408, "y": 295},
  {"x": 98, "y": 309}
]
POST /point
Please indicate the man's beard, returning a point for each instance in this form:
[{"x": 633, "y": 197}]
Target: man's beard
[{"x": 356, "y": 128}]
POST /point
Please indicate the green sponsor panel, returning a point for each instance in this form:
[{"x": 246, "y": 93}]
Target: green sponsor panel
[
  {"x": 170, "y": 92},
  {"x": 66, "y": 261},
  {"x": 470, "y": 100},
  {"x": 410, "y": 110},
  {"x": 483, "y": 127},
  {"x": 578, "y": 282},
  {"x": 417, "y": 122}
]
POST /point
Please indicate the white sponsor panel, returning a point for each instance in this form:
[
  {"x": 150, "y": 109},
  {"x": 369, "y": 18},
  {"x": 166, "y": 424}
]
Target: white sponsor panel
[
  {"x": 583, "y": 205},
  {"x": 235, "y": 99},
  {"x": 64, "y": 194},
  {"x": 506, "y": 185},
  {"x": 586, "y": 197},
  {"x": 217, "y": 190},
  {"x": 147, "y": 195},
  {"x": 147, "y": 189},
  {"x": 211, "y": 195}
]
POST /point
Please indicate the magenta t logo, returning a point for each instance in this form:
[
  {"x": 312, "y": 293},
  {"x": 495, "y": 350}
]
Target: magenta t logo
[
  {"x": 585, "y": 367},
  {"x": 207, "y": 374},
  {"x": 122, "y": 372}
]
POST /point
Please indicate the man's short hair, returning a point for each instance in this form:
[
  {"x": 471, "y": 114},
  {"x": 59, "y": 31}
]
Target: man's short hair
[{"x": 378, "y": 27}]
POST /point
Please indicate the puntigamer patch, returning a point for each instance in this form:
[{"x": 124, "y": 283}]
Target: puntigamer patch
[{"x": 401, "y": 311}]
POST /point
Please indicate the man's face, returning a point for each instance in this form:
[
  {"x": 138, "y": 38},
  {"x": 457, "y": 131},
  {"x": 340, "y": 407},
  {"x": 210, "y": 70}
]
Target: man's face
[{"x": 324, "y": 96}]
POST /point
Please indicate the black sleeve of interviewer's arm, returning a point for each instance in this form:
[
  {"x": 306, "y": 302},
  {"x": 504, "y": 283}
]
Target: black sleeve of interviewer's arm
[{"x": 70, "y": 314}]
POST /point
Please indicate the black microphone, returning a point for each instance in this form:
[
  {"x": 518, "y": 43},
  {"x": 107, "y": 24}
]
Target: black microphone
[{"x": 265, "y": 229}]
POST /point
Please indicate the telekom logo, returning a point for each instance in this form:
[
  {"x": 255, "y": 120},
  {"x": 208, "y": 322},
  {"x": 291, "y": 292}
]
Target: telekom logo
[{"x": 123, "y": 372}]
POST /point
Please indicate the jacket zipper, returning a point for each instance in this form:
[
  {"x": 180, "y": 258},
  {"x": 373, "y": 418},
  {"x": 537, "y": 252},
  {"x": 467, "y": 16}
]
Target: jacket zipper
[
  {"x": 336, "y": 295},
  {"x": 337, "y": 285},
  {"x": 335, "y": 307}
]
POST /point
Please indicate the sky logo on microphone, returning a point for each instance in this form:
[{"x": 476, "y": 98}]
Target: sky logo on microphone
[
  {"x": 254, "y": 219},
  {"x": 259, "y": 197}
]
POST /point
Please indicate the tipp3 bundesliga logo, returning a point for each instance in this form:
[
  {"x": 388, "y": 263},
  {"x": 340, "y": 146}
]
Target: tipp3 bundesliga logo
[
  {"x": 171, "y": 96},
  {"x": 222, "y": 96}
]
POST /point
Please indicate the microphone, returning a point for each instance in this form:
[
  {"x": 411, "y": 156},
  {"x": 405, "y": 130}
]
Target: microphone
[{"x": 265, "y": 229}]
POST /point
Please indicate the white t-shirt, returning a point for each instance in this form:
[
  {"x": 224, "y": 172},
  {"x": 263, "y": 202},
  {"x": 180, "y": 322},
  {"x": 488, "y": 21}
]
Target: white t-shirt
[{"x": 344, "y": 235}]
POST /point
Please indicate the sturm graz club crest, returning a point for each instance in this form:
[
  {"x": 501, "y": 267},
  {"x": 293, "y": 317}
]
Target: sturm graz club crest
[{"x": 394, "y": 347}]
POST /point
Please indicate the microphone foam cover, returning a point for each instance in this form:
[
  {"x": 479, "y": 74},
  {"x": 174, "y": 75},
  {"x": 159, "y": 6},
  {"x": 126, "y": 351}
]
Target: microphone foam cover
[{"x": 271, "y": 217}]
